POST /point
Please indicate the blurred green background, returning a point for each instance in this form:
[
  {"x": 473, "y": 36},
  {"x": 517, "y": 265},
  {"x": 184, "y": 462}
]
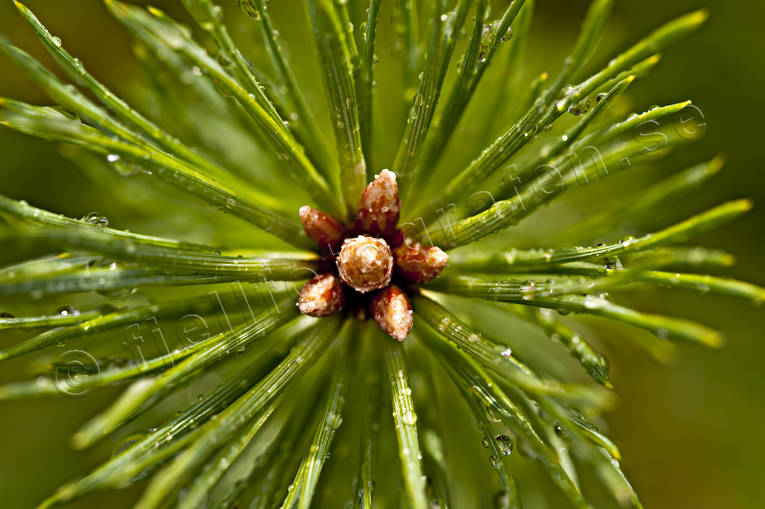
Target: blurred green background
[{"x": 691, "y": 433}]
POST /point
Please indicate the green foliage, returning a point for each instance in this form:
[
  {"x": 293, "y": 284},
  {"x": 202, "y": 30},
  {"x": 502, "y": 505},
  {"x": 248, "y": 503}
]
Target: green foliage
[{"x": 294, "y": 390}]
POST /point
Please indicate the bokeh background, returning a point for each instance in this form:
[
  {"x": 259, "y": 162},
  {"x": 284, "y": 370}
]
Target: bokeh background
[{"x": 692, "y": 433}]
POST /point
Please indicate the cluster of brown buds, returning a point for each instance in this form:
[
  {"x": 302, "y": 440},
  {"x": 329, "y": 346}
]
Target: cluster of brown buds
[{"x": 373, "y": 261}]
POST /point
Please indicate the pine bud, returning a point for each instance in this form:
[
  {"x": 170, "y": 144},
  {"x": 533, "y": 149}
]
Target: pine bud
[
  {"x": 380, "y": 205},
  {"x": 365, "y": 263},
  {"x": 392, "y": 312},
  {"x": 321, "y": 296},
  {"x": 420, "y": 264},
  {"x": 322, "y": 228}
]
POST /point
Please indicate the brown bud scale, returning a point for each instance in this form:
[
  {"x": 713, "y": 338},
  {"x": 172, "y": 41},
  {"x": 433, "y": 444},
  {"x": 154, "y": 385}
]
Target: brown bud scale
[
  {"x": 380, "y": 205},
  {"x": 392, "y": 312},
  {"x": 322, "y": 228},
  {"x": 321, "y": 296},
  {"x": 365, "y": 263},
  {"x": 419, "y": 264}
]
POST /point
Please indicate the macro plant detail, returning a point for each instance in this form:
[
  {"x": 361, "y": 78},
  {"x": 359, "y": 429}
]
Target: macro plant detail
[
  {"x": 296, "y": 386},
  {"x": 365, "y": 263}
]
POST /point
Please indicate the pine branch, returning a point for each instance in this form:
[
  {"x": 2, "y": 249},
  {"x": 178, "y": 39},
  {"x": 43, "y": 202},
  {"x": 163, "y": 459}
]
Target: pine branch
[
  {"x": 500, "y": 360},
  {"x": 145, "y": 393},
  {"x": 282, "y": 141},
  {"x": 338, "y": 64},
  {"x": 443, "y": 38},
  {"x": 302, "y": 119},
  {"x": 472, "y": 380},
  {"x": 405, "y": 420}
]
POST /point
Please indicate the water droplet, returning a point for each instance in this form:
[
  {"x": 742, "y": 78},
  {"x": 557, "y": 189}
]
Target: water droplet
[
  {"x": 501, "y": 500},
  {"x": 334, "y": 420},
  {"x": 67, "y": 311},
  {"x": 591, "y": 302},
  {"x": 95, "y": 219},
  {"x": 505, "y": 444},
  {"x": 409, "y": 418},
  {"x": 57, "y": 41},
  {"x": 128, "y": 442},
  {"x": 6, "y": 315},
  {"x": 581, "y": 107},
  {"x": 528, "y": 290},
  {"x": 248, "y": 9},
  {"x": 113, "y": 158},
  {"x": 127, "y": 169}
]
